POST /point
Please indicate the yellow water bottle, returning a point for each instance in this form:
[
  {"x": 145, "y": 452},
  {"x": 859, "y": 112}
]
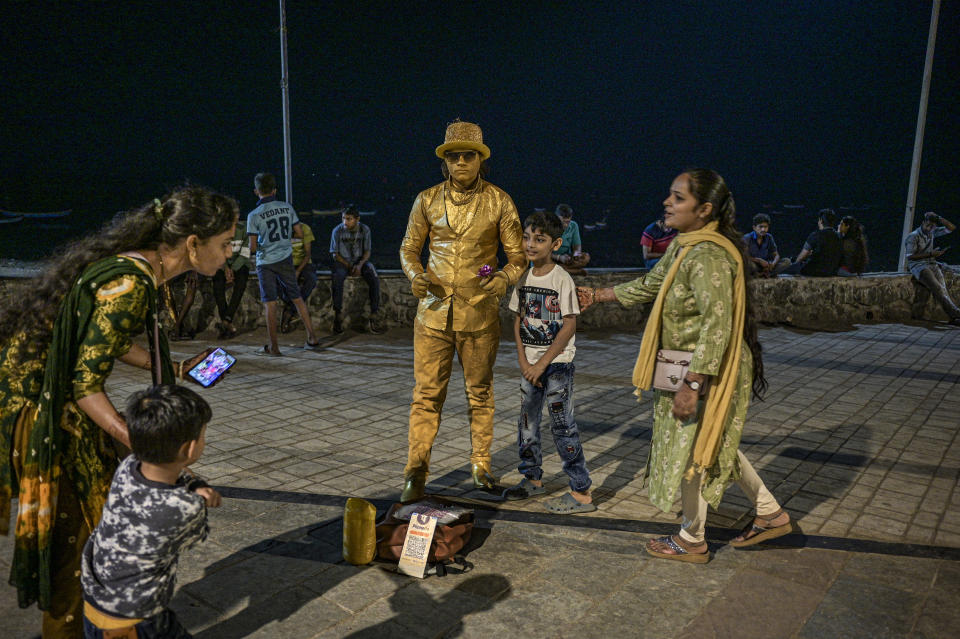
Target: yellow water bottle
[{"x": 359, "y": 531}]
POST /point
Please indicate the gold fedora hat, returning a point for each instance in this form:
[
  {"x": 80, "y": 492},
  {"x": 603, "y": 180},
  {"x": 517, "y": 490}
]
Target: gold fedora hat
[{"x": 463, "y": 136}]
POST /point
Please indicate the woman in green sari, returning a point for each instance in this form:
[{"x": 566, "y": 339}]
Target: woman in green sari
[
  {"x": 701, "y": 306},
  {"x": 58, "y": 345}
]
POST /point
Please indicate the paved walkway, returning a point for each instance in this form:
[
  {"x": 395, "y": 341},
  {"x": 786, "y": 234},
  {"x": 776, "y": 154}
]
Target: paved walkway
[{"x": 857, "y": 438}]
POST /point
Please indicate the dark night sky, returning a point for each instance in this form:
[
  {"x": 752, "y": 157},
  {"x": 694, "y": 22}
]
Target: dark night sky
[{"x": 106, "y": 104}]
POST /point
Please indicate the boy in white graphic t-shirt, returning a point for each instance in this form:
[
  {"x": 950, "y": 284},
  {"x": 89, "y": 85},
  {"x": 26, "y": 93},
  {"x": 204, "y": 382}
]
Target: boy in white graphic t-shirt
[{"x": 545, "y": 300}]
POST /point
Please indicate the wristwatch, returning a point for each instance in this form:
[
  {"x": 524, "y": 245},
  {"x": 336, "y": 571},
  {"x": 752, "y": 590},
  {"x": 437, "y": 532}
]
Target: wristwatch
[{"x": 692, "y": 384}]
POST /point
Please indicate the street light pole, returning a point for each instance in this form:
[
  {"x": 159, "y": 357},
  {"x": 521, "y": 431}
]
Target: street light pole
[
  {"x": 918, "y": 137},
  {"x": 285, "y": 87}
]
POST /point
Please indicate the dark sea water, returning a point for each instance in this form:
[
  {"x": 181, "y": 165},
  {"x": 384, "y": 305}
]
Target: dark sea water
[{"x": 618, "y": 245}]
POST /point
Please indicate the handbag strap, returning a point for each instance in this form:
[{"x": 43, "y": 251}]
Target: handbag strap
[
  {"x": 663, "y": 358},
  {"x": 155, "y": 364}
]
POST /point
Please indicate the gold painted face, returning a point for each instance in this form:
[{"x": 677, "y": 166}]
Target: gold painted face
[
  {"x": 681, "y": 210},
  {"x": 464, "y": 166}
]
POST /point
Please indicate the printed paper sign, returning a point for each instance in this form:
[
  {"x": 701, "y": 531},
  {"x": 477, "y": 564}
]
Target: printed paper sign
[{"x": 416, "y": 545}]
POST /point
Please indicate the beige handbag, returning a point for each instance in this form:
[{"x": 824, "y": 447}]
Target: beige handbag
[{"x": 670, "y": 369}]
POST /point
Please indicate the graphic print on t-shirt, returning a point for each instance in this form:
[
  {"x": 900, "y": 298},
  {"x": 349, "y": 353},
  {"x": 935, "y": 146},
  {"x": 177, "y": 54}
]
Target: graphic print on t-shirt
[{"x": 542, "y": 319}]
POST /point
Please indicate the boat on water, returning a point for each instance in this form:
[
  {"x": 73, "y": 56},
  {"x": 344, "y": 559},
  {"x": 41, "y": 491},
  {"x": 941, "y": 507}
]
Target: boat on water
[
  {"x": 44, "y": 215},
  {"x": 599, "y": 225}
]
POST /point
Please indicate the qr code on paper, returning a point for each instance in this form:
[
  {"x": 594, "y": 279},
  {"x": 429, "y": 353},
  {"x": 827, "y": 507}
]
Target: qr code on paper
[{"x": 416, "y": 547}]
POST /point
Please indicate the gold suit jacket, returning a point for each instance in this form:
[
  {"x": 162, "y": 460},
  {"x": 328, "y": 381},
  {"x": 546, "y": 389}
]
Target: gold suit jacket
[{"x": 462, "y": 239}]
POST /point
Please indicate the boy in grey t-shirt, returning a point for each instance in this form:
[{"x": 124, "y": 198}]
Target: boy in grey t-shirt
[
  {"x": 155, "y": 510},
  {"x": 545, "y": 301}
]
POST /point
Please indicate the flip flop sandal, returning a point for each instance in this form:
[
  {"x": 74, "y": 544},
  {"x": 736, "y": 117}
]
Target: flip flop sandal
[
  {"x": 679, "y": 552},
  {"x": 312, "y": 347},
  {"x": 265, "y": 351},
  {"x": 567, "y": 505},
  {"x": 524, "y": 490},
  {"x": 754, "y": 534}
]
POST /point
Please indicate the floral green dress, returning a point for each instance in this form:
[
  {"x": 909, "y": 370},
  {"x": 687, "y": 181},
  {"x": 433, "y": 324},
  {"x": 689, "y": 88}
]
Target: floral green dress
[
  {"x": 697, "y": 317},
  {"x": 45, "y": 438}
]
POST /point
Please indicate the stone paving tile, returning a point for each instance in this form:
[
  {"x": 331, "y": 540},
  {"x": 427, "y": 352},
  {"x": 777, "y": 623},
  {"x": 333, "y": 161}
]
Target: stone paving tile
[
  {"x": 858, "y": 438},
  {"x": 762, "y": 602},
  {"x": 855, "y": 607}
]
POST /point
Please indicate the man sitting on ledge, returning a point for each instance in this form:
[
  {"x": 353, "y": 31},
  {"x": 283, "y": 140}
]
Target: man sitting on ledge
[
  {"x": 570, "y": 255},
  {"x": 821, "y": 254},
  {"x": 922, "y": 263},
  {"x": 350, "y": 247}
]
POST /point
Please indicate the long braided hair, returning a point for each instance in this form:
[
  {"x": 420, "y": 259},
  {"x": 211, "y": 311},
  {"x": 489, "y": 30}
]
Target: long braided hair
[
  {"x": 189, "y": 210},
  {"x": 708, "y": 186}
]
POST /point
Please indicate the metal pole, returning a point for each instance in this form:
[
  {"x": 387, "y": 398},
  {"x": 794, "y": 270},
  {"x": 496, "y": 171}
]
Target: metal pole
[
  {"x": 918, "y": 138},
  {"x": 285, "y": 87}
]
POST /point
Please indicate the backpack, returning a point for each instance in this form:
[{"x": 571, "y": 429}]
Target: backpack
[{"x": 454, "y": 525}]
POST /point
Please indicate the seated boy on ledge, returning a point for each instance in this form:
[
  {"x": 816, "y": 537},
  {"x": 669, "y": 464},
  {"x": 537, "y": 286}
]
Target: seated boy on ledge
[{"x": 155, "y": 510}]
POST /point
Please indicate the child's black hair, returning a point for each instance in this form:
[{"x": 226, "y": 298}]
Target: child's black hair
[
  {"x": 546, "y": 222},
  {"x": 264, "y": 183},
  {"x": 761, "y": 218},
  {"x": 163, "y": 418}
]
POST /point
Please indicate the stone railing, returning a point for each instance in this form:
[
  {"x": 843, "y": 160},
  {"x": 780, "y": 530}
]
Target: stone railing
[{"x": 815, "y": 303}]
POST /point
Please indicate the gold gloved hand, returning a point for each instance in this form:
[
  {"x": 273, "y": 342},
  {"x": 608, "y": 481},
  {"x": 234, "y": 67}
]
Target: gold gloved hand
[
  {"x": 419, "y": 285},
  {"x": 496, "y": 284}
]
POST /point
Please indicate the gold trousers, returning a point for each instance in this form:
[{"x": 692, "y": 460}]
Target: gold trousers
[{"x": 432, "y": 362}]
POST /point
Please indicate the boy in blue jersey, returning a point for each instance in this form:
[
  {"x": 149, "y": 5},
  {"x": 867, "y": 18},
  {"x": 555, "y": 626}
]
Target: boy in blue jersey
[{"x": 271, "y": 227}]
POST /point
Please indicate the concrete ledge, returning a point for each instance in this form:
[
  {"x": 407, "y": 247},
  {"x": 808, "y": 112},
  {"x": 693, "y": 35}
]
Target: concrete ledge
[{"x": 828, "y": 303}]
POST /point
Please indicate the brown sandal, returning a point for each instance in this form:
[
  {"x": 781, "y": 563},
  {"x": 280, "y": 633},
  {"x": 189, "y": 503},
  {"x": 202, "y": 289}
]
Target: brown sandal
[
  {"x": 679, "y": 552},
  {"x": 755, "y": 533}
]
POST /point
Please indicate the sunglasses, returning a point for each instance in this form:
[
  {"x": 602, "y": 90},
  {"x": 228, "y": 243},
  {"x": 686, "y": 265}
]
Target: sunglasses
[{"x": 454, "y": 156}]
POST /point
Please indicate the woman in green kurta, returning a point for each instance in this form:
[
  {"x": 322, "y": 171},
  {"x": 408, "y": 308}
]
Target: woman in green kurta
[
  {"x": 701, "y": 307},
  {"x": 58, "y": 345}
]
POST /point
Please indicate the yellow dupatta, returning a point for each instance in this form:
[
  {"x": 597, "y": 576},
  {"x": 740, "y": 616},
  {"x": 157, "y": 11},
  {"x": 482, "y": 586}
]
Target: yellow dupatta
[{"x": 722, "y": 387}]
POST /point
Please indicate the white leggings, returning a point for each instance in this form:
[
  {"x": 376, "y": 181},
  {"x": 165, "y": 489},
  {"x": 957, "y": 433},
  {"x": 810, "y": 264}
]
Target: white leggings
[{"x": 695, "y": 506}]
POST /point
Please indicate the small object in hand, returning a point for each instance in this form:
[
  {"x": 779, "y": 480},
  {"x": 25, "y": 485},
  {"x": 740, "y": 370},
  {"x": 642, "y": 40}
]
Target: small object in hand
[
  {"x": 485, "y": 271},
  {"x": 212, "y": 367}
]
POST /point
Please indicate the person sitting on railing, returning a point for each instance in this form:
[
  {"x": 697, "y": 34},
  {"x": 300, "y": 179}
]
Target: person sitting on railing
[
  {"x": 853, "y": 247},
  {"x": 820, "y": 256},
  {"x": 762, "y": 250},
  {"x": 922, "y": 263},
  {"x": 570, "y": 255},
  {"x": 350, "y": 247},
  {"x": 655, "y": 240}
]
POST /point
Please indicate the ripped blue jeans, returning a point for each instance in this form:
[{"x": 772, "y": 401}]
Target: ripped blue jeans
[{"x": 557, "y": 394}]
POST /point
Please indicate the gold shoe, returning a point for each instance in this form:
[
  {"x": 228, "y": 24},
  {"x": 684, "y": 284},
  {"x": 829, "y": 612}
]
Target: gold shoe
[
  {"x": 482, "y": 478},
  {"x": 413, "y": 487}
]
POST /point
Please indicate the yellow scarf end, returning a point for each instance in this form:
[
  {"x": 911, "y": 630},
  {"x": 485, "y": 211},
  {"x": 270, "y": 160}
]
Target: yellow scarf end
[{"x": 692, "y": 472}]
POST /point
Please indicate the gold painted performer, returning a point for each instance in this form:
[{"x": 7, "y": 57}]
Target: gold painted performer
[{"x": 466, "y": 219}]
